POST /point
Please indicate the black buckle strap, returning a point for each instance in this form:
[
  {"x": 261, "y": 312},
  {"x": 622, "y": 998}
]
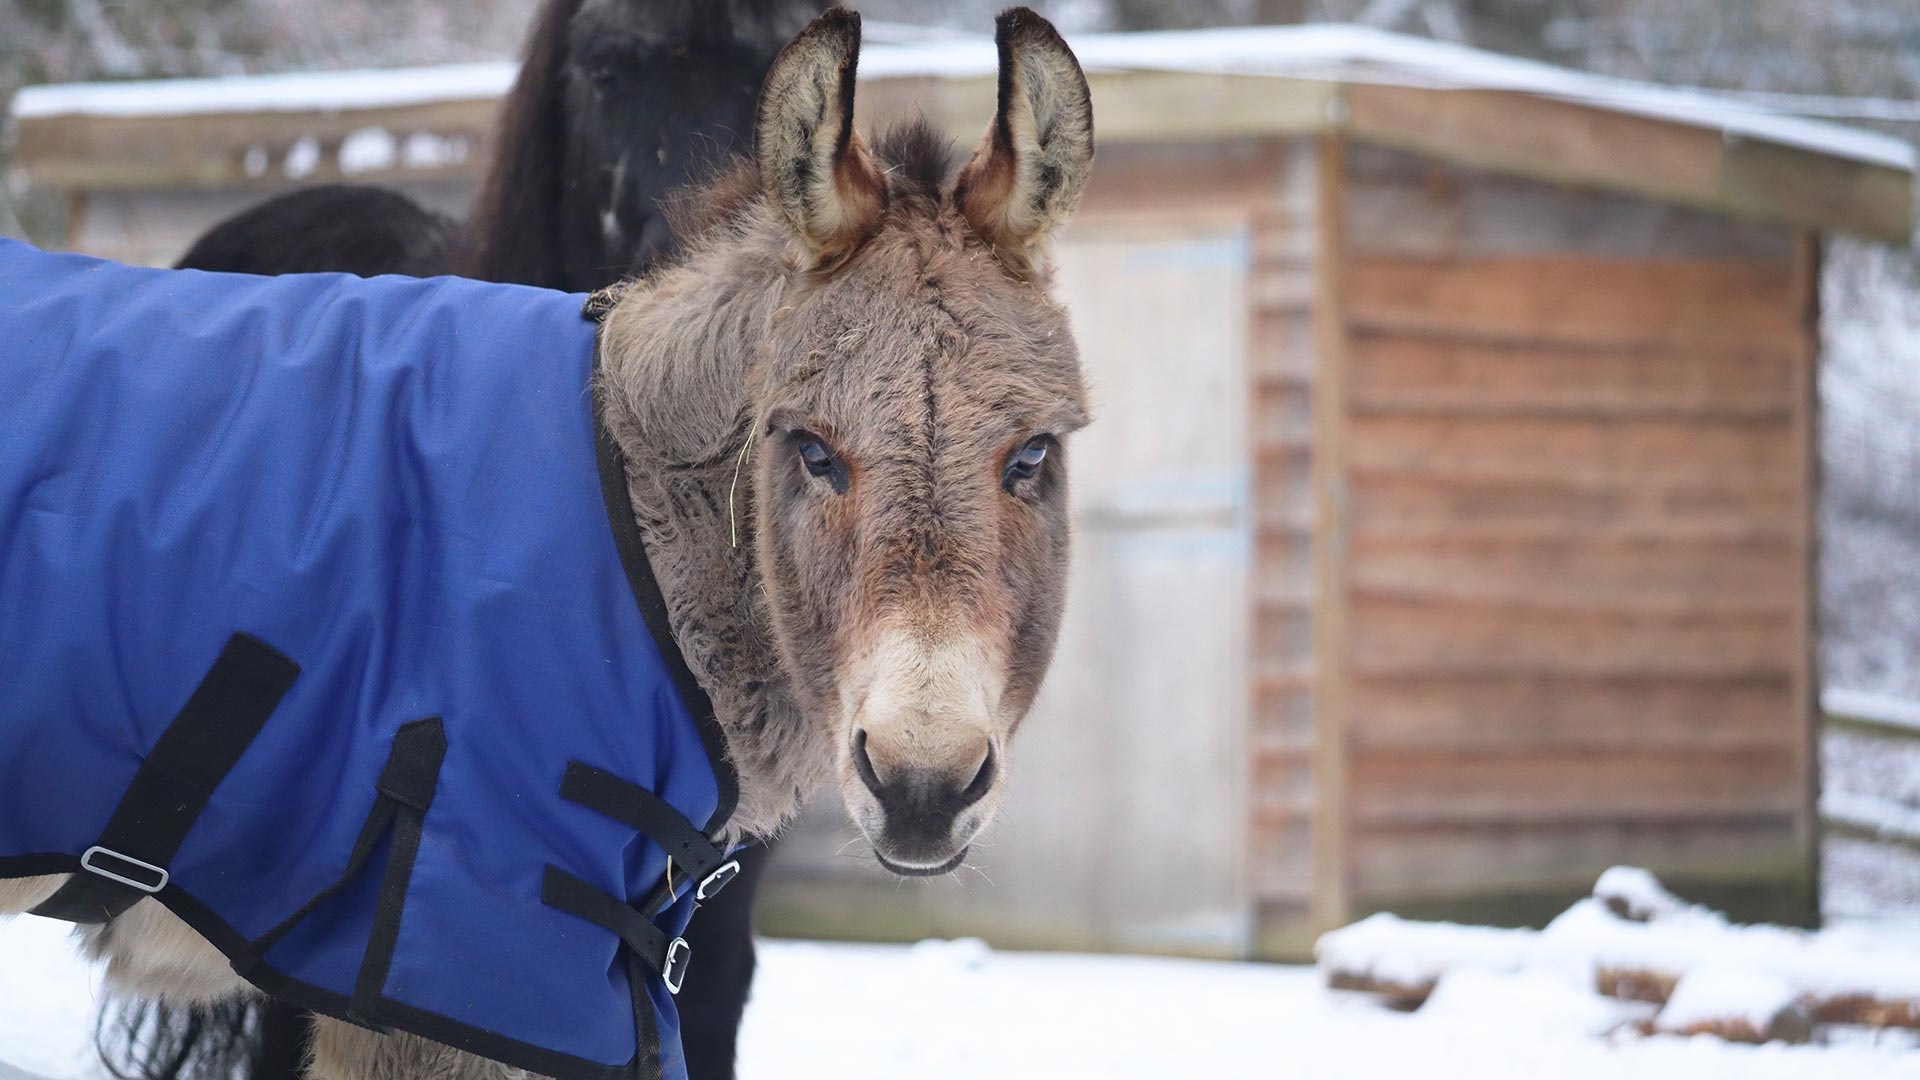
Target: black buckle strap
[
  {"x": 705, "y": 864},
  {"x": 403, "y": 794},
  {"x": 655, "y": 818},
  {"x": 669, "y": 957},
  {"x": 172, "y": 787}
]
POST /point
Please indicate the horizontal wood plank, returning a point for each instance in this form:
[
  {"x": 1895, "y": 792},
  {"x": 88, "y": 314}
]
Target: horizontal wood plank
[
  {"x": 1733, "y": 454},
  {"x": 1438, "y": 860},
  {"x": 1479, "y": 712},
  {"x": 1416, "y": 502},
  {"x": 1600, "y": 573},
  {"x": 1711, "y": 303},
  {"x": 1400, "y": 637},
  {"x": 1406, "y": 788},
  {"x": 1399, "y": 374}
]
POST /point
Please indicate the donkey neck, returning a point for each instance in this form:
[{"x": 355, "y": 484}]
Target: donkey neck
[{"x": 678, "y": 354}]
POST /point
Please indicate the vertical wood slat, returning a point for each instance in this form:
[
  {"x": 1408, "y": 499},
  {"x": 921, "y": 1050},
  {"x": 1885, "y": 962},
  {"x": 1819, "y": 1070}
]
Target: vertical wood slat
[
  {"x": 1329, "y": 901},
  {"x": 1806, "y": 440}
]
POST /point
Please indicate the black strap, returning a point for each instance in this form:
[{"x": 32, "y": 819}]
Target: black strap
[
  {"x": 574, "y": 896},
  {"x": 646, "y": 813},
  {"x": 653, "y": 611},
  {"x": 174, "y": 783},
  {"x": 408, "y": 781}
]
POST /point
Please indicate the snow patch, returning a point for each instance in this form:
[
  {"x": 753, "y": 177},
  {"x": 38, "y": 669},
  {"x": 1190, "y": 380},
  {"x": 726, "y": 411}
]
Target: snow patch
[
  {"x": 47, "y": 991},
  {"x": 425, "y": 150},
  {"x": 1883, "y": 819},
  {"x": 1883, "y": 709},
  {"x": 254, "y": 162},
  {"x": 1636, "y": 894},
  {"x": 1549, "y": 1002},
  {"x": 302, "y": 158},
  {"x": 1713, "y": 996},
  {"x": 369, "y": 149},
  {"x": 1390, "y": 949}
]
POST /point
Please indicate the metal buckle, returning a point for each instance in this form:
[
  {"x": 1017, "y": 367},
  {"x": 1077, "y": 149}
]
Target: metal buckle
[
  {"x": 159, "y": 872},
  {"x": 712, "y": 884},
  {"x": 674, "y": 971}
]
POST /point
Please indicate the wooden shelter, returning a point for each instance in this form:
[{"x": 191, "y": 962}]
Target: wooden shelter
[{"x": 1446, "y": 533}]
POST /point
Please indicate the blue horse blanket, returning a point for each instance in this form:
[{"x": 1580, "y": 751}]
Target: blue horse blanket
[{"x": 324, "y": 621}]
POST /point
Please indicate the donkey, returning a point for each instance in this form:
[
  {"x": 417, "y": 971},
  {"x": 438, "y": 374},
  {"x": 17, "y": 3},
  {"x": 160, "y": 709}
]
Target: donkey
[
  {"x": 618, "y": 104},
  {"x": 844, "y": 412}
]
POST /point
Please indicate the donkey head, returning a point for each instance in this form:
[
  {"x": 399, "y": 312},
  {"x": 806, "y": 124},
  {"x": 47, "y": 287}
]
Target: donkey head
[{"x": 912, "y": 411}]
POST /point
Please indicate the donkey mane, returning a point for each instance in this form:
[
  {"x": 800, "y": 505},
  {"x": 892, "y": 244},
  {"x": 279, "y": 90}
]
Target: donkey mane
[{"x": 516, "y": 217}]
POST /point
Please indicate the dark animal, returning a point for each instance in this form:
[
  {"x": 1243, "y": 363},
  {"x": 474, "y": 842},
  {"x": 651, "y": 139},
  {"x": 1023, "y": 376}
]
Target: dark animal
[
  {"x": 618, "y": 103},
  {"x": 339, "y": 227}
]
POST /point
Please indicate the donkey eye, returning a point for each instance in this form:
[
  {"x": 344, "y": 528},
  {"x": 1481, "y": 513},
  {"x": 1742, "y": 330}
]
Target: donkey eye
[
  {"x": 1026, "y": 461},
  {"x": 820, "y": 461}
]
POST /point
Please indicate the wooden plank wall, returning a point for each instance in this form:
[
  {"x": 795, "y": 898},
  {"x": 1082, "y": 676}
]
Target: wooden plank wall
[{"x": 1576, "y": 528}]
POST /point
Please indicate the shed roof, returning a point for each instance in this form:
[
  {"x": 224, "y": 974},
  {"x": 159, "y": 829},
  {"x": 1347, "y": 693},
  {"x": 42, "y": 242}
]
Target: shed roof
[{"x": 1494, "y": 111}]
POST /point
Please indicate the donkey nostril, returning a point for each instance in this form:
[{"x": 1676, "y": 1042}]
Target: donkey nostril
[
  {"x": 862, "y": 764},
  {"x": 982, "y": 780}
]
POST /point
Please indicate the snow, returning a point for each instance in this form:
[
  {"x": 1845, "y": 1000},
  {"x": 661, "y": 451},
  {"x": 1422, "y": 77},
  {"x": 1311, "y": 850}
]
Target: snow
[
  {"x": 368, "y": 149},
  {"x": 1546, "y": 1001},
  {"x": 1390, "y": 949},
  {"x": 1829, "y": 965},
  {"x": 302, "y": 158},
  {"x": 1639, "y": 891},
  {"x": 328, "y": 91},
  {"x": 1320, "y": 51},
  {"x": 1726, "y": 995},
  {"x": 425, "y": 150},
  {"x": 1883, "y": 818},
  {"x": 942, "y": 1010},
  {"x": 1884, "y": 710},
  {"x": 47, "y": 993}
]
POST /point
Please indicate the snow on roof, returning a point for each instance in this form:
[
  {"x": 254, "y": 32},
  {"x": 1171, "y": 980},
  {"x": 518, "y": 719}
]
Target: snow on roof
[
  {"x": 1330, "y": 52},
  {"x": 305, "y": 91}
]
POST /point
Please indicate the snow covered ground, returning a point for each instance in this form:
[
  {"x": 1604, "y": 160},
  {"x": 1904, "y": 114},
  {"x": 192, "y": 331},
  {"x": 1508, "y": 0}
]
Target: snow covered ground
[{"x": 955, "y": 1009}]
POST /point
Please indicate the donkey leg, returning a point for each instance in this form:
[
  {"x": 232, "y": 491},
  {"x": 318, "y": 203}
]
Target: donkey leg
[
  {"x": 342, "y": 1051},
  {"x": 721, "y": 976}
]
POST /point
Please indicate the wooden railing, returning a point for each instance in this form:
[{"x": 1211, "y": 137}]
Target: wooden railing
[{"x": 1871, "y": 817}]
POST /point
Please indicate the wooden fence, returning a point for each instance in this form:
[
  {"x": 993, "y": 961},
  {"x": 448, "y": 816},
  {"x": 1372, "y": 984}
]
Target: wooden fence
[{"x": 1871, "y": 817}]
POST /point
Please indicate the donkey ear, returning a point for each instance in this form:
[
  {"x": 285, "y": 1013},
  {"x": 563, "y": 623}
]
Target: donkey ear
[
  {"x": 1028, "y": 172},
  {"x": 814, "y": 167}
]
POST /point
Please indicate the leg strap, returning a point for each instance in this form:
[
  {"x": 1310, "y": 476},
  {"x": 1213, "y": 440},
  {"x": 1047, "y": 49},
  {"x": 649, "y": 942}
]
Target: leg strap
[
  {"x": 705, "y": 865},
  {"x": 653, "y": 817},
  {"x": 174, "y": 783}
]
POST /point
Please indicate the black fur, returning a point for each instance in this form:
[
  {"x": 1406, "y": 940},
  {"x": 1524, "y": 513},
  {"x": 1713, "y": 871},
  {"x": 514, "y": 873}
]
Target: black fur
[{"x": 357, "y": 230}]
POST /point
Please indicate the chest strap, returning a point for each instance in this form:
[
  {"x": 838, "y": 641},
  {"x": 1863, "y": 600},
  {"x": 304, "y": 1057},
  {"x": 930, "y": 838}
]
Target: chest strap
[
  {"x": 172, "y": 786},
  {"x": 706, "y": 868}
]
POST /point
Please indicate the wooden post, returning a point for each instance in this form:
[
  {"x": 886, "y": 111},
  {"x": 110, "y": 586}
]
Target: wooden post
[
  {"x": 1329, "y": 901},
  {"x": 1806, "y": 436}
]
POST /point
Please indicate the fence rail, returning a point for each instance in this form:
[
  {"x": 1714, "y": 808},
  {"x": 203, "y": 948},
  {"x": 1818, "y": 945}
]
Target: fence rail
[
  {"x": 1870, "y": 817},
  {"x": 1877, "y": 714}
]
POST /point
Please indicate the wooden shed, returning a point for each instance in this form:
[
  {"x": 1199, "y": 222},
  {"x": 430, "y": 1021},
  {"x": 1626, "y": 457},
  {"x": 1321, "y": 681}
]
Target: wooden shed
[{"x": 1446, "y": 532}]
